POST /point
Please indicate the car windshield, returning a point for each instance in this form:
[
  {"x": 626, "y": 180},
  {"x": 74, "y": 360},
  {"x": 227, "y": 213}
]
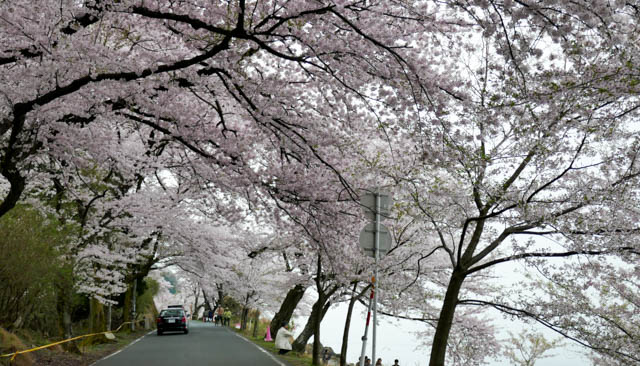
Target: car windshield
[{"x": 171, "y": 312}]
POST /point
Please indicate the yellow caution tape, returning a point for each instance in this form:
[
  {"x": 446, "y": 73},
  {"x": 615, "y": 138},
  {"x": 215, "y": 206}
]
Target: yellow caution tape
[{"x": 13, "y": 355}]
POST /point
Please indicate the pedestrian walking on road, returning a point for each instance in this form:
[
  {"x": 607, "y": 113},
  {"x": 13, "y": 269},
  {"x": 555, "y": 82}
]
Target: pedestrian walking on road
[
  {"x": 210, "y": 315},
  {"x": 227, "y": 317},
  {"x": 284, "y": 338},
  {"x": 379, "y": 362},
  {"x": 326, "y": 356}
]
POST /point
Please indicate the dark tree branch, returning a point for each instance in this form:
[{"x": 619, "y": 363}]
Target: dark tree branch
[
  {"x": 552, "y": 255},
  {"x": 525, "y": 313}
]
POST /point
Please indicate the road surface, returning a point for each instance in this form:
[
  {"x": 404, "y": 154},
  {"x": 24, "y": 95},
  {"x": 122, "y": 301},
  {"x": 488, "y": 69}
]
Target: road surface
[{"x": 205, "y": 344}]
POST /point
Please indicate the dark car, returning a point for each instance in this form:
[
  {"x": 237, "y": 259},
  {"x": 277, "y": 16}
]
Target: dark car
[
  {"x": 173, "y": 319},
  {"x": 179, "y": 307}
]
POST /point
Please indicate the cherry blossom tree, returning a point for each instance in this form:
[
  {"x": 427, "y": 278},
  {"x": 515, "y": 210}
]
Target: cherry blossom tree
[
  {"x": 527, "y": 146},
  {"x": 593, "y": 301},
  {"x": 218, "y": 83},
  {"x": 99, "y": 70},
  {"x": 496, "y": 123},
  {"x": 528, "y": 347}
]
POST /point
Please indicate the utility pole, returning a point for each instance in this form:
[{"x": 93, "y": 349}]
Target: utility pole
[
  {"x": 376, "y": 242},
  {"x": 133, "y": 305},
  {"x": 376, "y": 278}
]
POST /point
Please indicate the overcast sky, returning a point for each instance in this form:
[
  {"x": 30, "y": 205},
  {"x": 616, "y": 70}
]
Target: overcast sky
[{"x": 396, "y": 340}]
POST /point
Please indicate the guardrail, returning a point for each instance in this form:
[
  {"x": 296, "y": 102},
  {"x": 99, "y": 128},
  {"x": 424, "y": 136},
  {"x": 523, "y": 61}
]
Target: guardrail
[{"x": 14, "y": 354}]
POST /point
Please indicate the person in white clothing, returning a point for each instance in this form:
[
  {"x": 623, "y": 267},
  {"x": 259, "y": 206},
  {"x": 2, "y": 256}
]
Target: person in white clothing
[{"x": 282, "y": 339}]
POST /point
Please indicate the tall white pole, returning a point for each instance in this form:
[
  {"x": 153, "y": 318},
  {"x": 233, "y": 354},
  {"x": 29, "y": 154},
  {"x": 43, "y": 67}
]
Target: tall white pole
[{"x": 376, "y": 279}]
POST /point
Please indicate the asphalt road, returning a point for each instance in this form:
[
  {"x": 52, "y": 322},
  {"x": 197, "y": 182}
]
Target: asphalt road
[{"x": 205, "y": 344}]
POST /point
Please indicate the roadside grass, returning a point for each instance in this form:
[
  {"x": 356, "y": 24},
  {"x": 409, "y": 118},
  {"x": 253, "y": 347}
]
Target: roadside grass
[
  {"x": 10, "y": 343},
  {"x": 56, "y": 356},
  {"x": 292, "y": 358},
  {"x": 32, "y": 338},
  {"x": 122, "y": 340},
  {"x": 90, "y": 352}
]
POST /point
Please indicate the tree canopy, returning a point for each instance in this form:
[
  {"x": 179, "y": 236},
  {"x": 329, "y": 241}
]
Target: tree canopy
[{"x": 232, "y": 138}]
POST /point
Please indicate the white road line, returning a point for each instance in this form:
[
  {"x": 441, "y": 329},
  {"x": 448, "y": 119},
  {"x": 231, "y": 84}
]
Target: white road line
[
  {"x": 122, "y": 349},
  {"x": 260, "y": 348}
]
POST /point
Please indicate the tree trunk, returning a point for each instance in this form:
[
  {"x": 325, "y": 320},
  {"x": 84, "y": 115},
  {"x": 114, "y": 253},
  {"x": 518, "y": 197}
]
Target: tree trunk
[
  {"x": 97, "y": 318},
  {"x": 286, "y": 309},
  {"x": 126, "y": 307},
  {"x": 439, "y": 346},
  {"x": 243, "y": 318},
  {"x": 66, "y": 329},
  {"x": 207, "y": 301},
  {"x": 9, "y": 168},
  {"x": 65, "y": 320},
  {"x": 109, "y": 318},
  {"x": 347, "y": 324},
  {"x": 309, "y": 328},
  {"x": 134, "y": 292},
  {"x": 256, "y": 320},
  {"x": 316, "y": 334},
  {"x": 221, "y": 296},
  {"x": 323, "y": 303},
  {"x": 97, "y": 321},
  {"x": 196, "y": 305},
  {"x": 63, "y": 308}
]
